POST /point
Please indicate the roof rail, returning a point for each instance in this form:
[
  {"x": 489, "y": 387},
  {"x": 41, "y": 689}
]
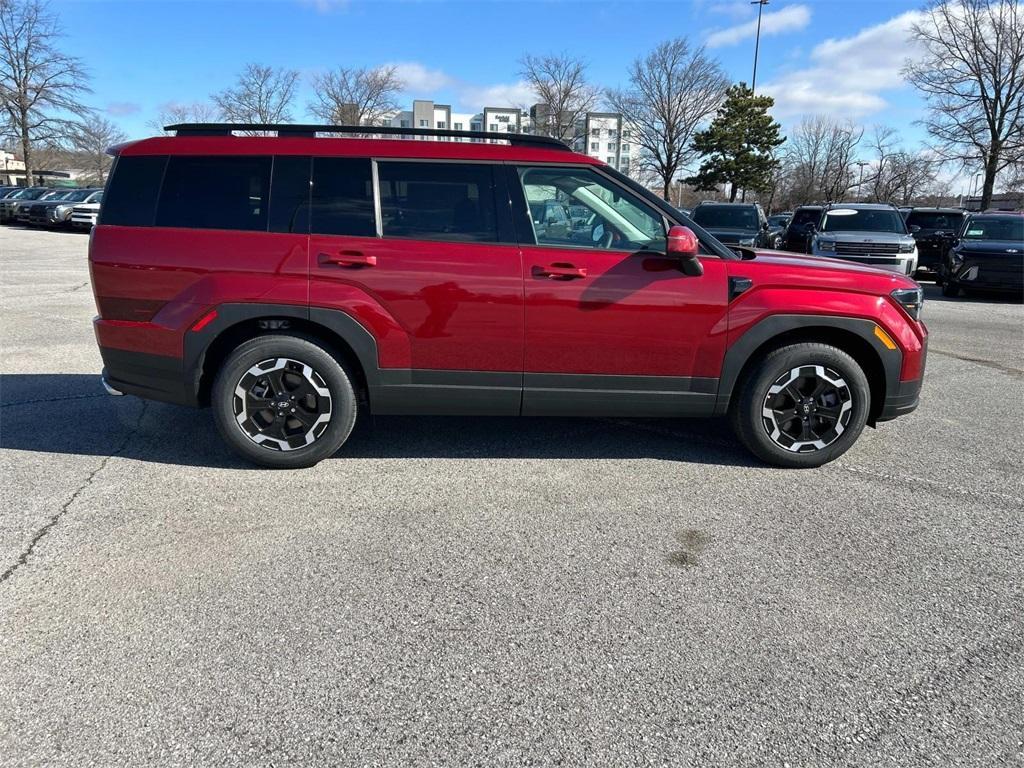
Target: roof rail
[{"x": 295, "y": 129}]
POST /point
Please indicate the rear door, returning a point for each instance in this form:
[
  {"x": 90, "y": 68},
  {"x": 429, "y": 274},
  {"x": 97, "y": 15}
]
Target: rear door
[
  {"x": 612, "y": 324},
  {"x": 422, "y": 254}
]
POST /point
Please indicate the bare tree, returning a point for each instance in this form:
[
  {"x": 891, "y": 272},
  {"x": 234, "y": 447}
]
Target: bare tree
[
  {"x": 261, "y": 94},
  {"x": 560, "y": 84},
  {"x": 347, "y": 96},
  {"x": 40, "y": 86},
  {"x": 672, "y": 92},
  {"x": 972, "y": 75},
  {"x": 90, "y": 141},
  {"x": 175, "y": 112},
  {"x": 818, "y": 159}
]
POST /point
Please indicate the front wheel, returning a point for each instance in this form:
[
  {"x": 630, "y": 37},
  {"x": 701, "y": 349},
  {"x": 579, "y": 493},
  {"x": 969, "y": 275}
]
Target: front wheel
[
  {"x": 802, "y": 405},
  {"x": 283, "y": 401}
]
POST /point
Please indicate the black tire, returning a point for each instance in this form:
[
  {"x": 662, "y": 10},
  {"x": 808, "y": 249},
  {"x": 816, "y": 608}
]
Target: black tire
[
  {"x": 950, "y": 290},
  {"x": 289, "y": 353},
  {"x": 752, "y": 427}
]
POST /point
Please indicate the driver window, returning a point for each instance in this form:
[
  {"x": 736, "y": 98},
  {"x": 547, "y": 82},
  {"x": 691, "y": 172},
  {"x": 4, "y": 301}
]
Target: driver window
[{"x": 577, "y": 207}]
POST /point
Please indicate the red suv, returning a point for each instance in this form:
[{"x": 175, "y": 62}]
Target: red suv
[{"x": 292, "y": 280}]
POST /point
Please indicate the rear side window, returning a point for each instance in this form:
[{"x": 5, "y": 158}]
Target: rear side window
[
  {"x": 218, "y": 192},
  {"x": 438, "y": 201},
  {"x": 132, "y": 192},
  {"x": 289, "y": 195},
  {"x": 343, "y": 197}
]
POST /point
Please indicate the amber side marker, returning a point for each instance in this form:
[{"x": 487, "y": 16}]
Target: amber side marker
[
  {"x": 205, "y": 320},
  {"x": 882, "y": 337}
]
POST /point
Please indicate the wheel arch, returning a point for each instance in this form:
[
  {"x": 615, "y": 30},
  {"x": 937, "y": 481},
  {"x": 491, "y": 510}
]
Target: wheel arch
[
  {"x": 234, "y": 324},
  {"x": 854, "y": 336}
]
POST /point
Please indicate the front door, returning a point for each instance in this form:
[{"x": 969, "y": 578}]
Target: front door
[
  {"x": 434, "y": 281},
  {"x": 612, "y": 324}
]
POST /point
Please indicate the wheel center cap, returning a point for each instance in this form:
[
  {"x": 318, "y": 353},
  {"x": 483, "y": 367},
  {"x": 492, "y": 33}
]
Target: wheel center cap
[{"x": 806, "y": 406}]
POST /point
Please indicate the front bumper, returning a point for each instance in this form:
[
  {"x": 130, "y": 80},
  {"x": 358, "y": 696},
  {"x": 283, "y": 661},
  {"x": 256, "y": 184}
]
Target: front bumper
[
  {"x": 905, "y": 400},
  {"x": 1003, "y": 275}
]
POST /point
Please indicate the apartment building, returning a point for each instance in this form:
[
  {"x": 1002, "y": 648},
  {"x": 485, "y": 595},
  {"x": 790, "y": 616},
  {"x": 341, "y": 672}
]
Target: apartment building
[{"x": 600, "y": 134}]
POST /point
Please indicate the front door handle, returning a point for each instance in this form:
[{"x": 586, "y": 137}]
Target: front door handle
[
  {"x": 560, "y": 271},
  {"x": 348, "y": 259}
]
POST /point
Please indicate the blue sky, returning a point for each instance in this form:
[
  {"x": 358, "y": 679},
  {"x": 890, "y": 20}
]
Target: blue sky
[{"x": 837, "y": 56}]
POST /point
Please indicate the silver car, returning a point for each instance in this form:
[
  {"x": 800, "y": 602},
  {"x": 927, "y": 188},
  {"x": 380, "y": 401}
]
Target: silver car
[{"x": 869, "y": 233}]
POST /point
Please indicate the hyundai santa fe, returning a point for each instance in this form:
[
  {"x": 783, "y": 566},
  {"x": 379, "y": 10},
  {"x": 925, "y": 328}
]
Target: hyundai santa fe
[{"x": 292, "y": 281}]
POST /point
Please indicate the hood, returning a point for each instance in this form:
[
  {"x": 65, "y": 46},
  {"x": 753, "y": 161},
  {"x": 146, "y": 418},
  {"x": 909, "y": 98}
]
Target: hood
[
  {"x": 731, "y": 233},
  {"x": 1009, "y": 247},
  {"x": 864, "y": 237},
  {"x": 819, "y": 271}
]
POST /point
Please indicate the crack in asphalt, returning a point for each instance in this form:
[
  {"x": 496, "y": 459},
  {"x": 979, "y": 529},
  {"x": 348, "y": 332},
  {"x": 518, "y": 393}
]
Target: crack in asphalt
[
  {"x": 56, "y": 518},
  {"x": 987, "y": 363},
  {"x": 52, "y": 399},
  {"x": 905, "y": 481},
  {"x": 935, "y": 686}
]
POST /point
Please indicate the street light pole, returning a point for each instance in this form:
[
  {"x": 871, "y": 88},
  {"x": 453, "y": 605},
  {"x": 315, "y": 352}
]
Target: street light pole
[
  {"x": 757, "y": 40},
  {"x": 860, "y": 182}
]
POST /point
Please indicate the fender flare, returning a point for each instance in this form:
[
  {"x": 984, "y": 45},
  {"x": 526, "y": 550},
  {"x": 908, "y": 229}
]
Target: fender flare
[
  {"x": 197, "y": 343},
  {"x": 762, "y": 332}
]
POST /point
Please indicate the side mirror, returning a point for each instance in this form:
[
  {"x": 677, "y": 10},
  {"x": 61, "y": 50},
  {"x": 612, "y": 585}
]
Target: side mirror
[
  {"x": 914, "y": 228},
  {"x": 682, "y": 244}
]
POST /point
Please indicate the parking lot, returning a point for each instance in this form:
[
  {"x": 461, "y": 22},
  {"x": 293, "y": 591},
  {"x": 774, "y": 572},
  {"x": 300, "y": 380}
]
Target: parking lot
[{"x": 501, "y": 591}]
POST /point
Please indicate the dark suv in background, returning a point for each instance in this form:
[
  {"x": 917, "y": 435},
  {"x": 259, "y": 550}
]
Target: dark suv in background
[
  {"x": 797, "y": 236},
  {"x": 734, "y": 224},
  {"x": 935, "y": 230},
  {"x": 988, "y": 255}
]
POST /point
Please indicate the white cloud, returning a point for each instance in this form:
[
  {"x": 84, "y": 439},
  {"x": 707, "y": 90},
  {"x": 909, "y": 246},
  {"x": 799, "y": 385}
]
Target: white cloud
[
  {"x": 848, "y": 75},
  {"x": 734, "y": 9},
  {"x": 418, "y": 79},
  {"x": 474, "y": 97},
  {"x": 790, "y": 18}
]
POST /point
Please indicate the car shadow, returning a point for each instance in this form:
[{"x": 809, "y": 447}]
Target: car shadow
[{"x": 72, "y": 414}]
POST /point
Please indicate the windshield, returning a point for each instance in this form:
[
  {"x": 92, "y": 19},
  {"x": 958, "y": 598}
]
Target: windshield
[
  {"x": 1008, "y": 228},
  {"x": 778, "y": 221},
  {"x": 733, "y": 217},
  {"x": 805, "y": 216},
  {"x": 869, "y": 220},
  {"x": 944, "y": 220},
  {"x": 77, "y": 196},
  {"x": 28, "y": 194},
  {"x": 58, "y": 194}
]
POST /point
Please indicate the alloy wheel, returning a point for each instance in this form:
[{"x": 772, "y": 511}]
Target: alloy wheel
[
  {"x": 282, "y": 404},
  {"x": 807, "y": 408}
]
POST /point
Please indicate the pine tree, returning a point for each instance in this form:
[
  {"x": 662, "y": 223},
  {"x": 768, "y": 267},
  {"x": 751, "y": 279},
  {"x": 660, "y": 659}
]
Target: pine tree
[{"x": 739, "y": 145}]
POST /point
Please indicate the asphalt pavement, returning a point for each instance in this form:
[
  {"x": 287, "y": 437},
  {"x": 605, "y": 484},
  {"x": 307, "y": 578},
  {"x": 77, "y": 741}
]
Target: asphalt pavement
[{"x": 454, "y": 591}]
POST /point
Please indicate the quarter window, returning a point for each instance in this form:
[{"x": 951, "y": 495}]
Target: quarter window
[
  {"x": 600, "y": 214},
  {"x": 132, "y": 191},
  {"x": 438, "y": 201},
  {"x": 343, "y": 197},
  {"x": 215, "y": 192}
]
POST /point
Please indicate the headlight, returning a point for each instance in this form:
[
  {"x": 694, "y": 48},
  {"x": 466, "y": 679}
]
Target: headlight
[
  {"x": 911, "y": 299},
  {"x": 907, "y": 247},
  {"x": 826, "y": 245}
]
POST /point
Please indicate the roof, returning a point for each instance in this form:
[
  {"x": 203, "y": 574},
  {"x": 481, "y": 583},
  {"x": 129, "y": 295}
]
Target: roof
[{"x": 346, "y": 147}]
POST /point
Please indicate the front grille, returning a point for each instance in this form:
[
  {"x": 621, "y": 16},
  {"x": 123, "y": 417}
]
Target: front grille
[{"x": 866, "y": 249}]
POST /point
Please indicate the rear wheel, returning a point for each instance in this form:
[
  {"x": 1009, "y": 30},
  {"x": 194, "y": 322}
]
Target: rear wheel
[
  {"x": 283, "y": 401},
  {"x": 802, "y": 406}
]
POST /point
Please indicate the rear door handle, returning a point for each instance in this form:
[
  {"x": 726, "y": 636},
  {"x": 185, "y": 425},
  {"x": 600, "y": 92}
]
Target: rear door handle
[
  {"x": 560, "y": 271},
  {"x": 348, "y": 259}
]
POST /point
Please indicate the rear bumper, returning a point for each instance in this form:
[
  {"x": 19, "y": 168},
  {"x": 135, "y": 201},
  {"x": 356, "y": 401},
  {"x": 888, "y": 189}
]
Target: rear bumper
[{"x": 154, "y": 377}]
